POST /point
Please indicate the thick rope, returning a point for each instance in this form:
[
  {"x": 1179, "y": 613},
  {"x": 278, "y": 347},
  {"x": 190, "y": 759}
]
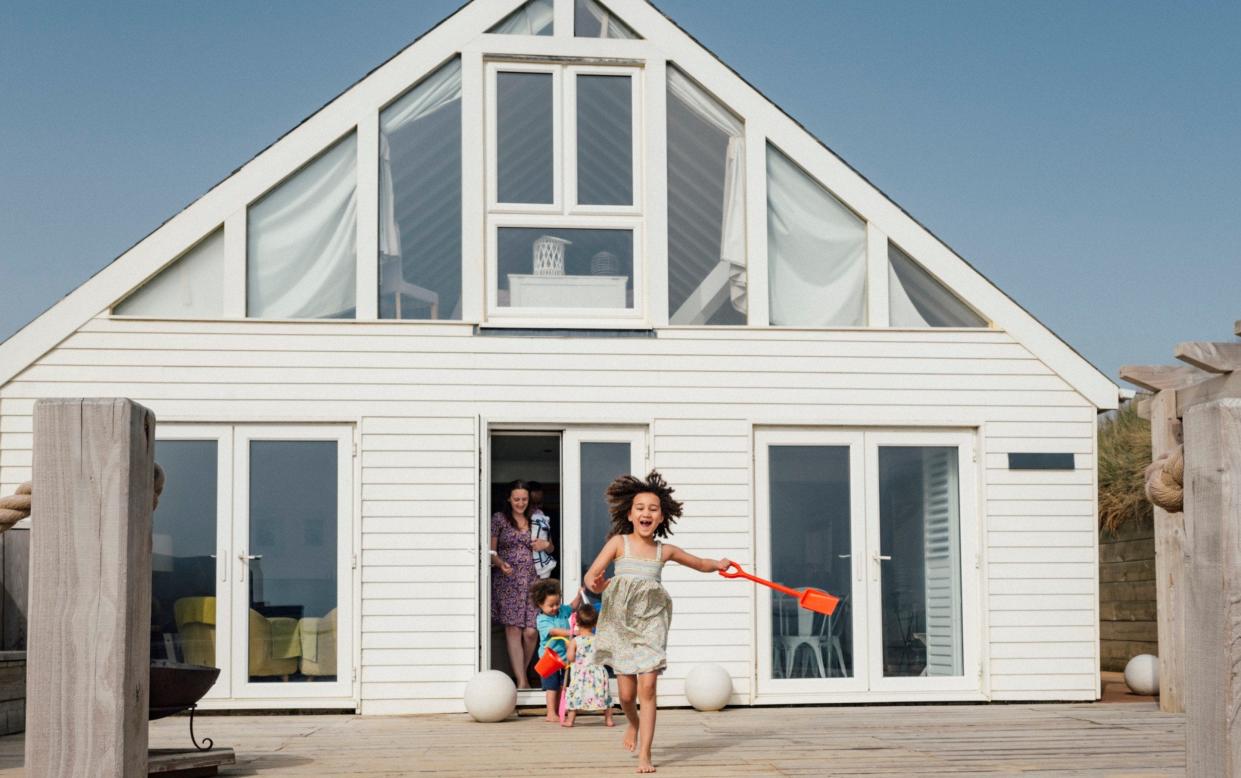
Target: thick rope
[
  {"x": 16, "y": 506},
  {"x": 1165, "y": 481}
]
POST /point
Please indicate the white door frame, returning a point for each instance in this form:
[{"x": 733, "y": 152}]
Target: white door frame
[
  {"x": 570, "y": 495},
  {"x": 222, "y": 436},
  {"x": 338, "y": 693},
  {"x": 971, "y": 599},
  {"x": 766, "y": 598},
  {"x": 572, "y": 554},
  {"x": 868, "y": 682}
]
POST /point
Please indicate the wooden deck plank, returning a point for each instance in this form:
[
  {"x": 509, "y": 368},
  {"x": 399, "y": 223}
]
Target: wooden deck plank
[{"x": 1062, "y": 740}]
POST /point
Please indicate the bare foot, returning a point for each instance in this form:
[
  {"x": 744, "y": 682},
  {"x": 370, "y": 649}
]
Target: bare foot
[
  {"x": 631, "y": 738},
  {"x": 608, "y": 722},
  {"x": 553, "y": 718},
  {"x": 566, "y": 723},
  {"x": 645, "y": 766}
]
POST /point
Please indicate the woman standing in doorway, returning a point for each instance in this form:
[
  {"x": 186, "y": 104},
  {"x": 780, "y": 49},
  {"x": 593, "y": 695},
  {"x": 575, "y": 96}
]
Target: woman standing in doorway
[{"x": 512, "y": 557}]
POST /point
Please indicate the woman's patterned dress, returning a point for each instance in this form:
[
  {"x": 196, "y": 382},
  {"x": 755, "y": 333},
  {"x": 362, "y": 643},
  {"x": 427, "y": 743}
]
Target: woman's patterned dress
[{"x": 510, "y": 594}]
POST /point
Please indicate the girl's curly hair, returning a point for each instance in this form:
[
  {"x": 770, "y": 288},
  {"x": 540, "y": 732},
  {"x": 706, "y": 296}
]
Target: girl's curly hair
[{"x": 620, "y": 494}]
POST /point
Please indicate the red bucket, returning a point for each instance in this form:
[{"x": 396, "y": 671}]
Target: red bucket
[{"x": 550, "y": 663}]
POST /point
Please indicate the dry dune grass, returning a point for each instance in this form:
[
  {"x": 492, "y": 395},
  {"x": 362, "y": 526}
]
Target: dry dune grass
[{"x": 1124, "y": 452}]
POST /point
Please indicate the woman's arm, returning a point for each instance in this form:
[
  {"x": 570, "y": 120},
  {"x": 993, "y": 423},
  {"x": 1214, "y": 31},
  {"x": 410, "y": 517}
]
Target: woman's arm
[
  {"x": 683, "y": 557},
  {"x": 594, "y": 576},
  {"x": 496, "y": 561}
]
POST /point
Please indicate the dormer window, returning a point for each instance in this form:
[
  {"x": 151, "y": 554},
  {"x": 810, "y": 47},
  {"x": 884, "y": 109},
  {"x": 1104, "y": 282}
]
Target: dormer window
[{"x": 564, "y": 192}]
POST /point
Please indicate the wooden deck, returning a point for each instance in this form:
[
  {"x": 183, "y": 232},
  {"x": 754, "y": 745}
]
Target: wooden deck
[{"x": 1061, "y": 740}]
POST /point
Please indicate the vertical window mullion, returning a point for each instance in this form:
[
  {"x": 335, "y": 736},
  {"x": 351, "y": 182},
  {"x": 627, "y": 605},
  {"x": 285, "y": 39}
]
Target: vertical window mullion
[{"x": 368, "y": 217}]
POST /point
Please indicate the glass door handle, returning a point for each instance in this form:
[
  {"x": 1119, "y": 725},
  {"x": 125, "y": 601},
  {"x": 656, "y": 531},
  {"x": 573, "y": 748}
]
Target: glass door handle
[
  {"x": 245, "y": 562},
  {"x": 881, "y": 557}
]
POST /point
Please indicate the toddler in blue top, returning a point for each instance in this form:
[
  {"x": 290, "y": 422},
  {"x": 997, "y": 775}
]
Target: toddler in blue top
[{"x": 552, "y": 622}]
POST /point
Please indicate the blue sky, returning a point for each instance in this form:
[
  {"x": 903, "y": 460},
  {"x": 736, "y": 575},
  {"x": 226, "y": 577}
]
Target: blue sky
[{"x": 1082, "y": 155}]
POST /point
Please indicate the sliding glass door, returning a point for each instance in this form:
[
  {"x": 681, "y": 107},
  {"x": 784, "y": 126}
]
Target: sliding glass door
[
  {"x": 924, "y": 630},
  {"x": 593, "y": 457},
  {"x": 885, "y": 521},
  {"x": 252, "y": 559},
  {"x": 809, "y": 493}
]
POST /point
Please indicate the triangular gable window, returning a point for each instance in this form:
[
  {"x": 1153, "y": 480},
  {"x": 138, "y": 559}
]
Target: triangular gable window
[
  {"x": 533, "y": 18},
  {"x": 917, "y": 299},
  {"x": 592, "y": 20},
  {"x": 191, "y": 286}
]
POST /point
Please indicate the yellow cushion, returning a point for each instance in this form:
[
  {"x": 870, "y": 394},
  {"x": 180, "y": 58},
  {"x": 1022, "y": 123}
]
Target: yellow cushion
[{"x": 199, "y": 610}]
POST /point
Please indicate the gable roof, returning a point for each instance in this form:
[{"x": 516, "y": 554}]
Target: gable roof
[{"x": 359, "y": 104}]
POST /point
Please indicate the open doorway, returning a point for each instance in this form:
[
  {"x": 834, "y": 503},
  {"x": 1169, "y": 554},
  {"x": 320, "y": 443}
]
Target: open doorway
[{"x": 532, "y": 457}]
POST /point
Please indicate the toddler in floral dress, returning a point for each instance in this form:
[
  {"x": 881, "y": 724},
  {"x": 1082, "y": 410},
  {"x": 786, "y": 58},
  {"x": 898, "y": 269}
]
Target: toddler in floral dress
[{"x": 588, "y": 682}]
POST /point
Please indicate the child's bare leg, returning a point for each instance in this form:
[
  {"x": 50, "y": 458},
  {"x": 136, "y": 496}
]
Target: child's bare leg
[
  {"x": 569, "y": 717},
  {"x": 607, "y": 718},
  {"x": 553, "y": 705},
  {"x": 627, "y": 685},
  {"x": 646, "y": 731}
]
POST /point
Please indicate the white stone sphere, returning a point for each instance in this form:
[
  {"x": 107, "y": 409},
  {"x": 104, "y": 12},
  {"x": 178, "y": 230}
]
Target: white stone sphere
[
  {"x": 490, "y": 696},
  {"x": 1142, "y": 674},
  {"x": 708, "y": 687}
]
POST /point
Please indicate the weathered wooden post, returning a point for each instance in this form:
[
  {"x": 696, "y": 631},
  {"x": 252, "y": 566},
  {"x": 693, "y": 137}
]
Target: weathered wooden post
[
  {"x": 90, "y": 612},
  {"x": 1170, "y": 553},
  {"x": 1213, "y": 594},
  {"x": 1170, "y": 550}
]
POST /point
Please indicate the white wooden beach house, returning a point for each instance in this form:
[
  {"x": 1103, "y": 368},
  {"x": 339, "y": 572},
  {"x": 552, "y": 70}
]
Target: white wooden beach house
[{"x": 558, "y": 240}]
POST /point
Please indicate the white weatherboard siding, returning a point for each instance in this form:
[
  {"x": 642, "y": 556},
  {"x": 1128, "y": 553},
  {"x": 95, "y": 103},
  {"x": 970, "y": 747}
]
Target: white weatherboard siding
[{"x": 416, "y": 392}]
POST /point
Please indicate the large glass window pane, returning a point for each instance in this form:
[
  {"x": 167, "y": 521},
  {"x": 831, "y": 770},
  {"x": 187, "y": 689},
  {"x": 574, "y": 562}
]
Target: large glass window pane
[
  {"x": 706, "y": 208},
  {"x": 601, "y": 464},
  {"x": 917, "y": 299},
  {"x": 920, "y": 548},
  {"x": 593, "y": 20},
  {"x": 564, "y": 268},
  {"x": 533, "y": 18},
  {"x": 420, "y": 201},
  {"x": 183, "y": 554},
  {"x": 525, "y": 137},
  {"x": 604, "y": 140},
  {"x": 302, "y": 241},
  {"x": 816, "y": 251},
  {"x": 811, "y": 546},
  {"x": 191, "y": 286},
  {"x": 292, "y": 581}
]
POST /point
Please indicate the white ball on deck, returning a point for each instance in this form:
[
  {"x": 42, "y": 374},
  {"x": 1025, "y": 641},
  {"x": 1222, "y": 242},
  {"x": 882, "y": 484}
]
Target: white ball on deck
[
  {"x": 490, "y": 696},
  {"x": 1142, "y": 674},
  {"x": 708, "y": 687}
]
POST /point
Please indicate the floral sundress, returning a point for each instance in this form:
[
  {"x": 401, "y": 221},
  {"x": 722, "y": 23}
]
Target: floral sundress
[
  {"x": 588, "y": 682},
  {"x": 637, "y": 612}
]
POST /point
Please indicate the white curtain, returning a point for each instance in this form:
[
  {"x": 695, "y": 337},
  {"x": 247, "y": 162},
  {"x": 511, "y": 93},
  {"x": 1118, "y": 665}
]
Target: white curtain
[
  {"x": 732, "y": 229},
  {"x": 191, "y": 286},
  {"x": 440, "y": 89},
  {"x": 533, "y": 18},
  {"x": 916, "y": 299},
  {"x": 816, "y": 251},
  {"x": 588, "y": 13},
  {"x": 302, "y": 241}
]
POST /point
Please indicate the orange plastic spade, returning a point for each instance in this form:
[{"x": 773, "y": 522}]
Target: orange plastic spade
[{"x": 811, "y": 599}]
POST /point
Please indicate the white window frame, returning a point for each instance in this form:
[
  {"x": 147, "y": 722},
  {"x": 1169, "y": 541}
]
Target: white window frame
[
  {"x": 564, "y": 212},
  {"x": 492, "y": 112},
  {"x": 564, "y": 317},
  {"x": 569, "y": 132}
]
